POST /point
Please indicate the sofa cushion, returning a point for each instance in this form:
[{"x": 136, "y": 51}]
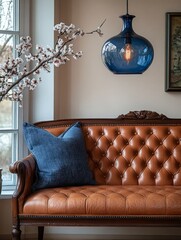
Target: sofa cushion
[
  {"x": 106, "y": 200},
  {"x": 62, "y": 160}
]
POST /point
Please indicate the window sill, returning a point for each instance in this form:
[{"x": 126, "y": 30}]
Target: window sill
[{"x": 6, "y": 195}]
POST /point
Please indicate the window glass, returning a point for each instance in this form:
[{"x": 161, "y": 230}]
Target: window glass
[
  {"x": 7, "y": 154},
  {"x": 6, "y": 118},
  {"x": 6, "y": 47},
  {"x": 9, "y": 37},
  {"x": 7, "y": 15}
]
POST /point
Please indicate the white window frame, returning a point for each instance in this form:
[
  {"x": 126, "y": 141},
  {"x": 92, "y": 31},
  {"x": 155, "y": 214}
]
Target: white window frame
[{"x": 19, "y": 114}]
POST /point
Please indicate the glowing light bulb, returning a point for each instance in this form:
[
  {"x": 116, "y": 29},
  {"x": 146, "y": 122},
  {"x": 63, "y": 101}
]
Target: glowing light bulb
[{"x": 127, "y": 52}]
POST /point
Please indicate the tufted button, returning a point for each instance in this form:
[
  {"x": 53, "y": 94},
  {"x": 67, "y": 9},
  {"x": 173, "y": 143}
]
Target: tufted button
[
  {"x": 169, "y": 132},
  {"x": 129, "y": 165},
  {"x": 127, "y": 143},
  {"x": 120, "y": 153},
  {"x": 95, "y": 144},
  {"x": 143, "y": 142},
  {"x": 102, "y": 133},
  {"x": 178, "y": 165},
  {"x": 135, "y": 133},
  {"x": 111, "y": 143},
  {"x": 161, "y": 143},
  {"x": 136, "y": 152},
  {"x": 103, "y": 154},
  {"x": 87, "y": 133},
  {"x": 151, "y": 132},
  {"x": 169, "y": 153},
  {"x": 118, "y": 132}
]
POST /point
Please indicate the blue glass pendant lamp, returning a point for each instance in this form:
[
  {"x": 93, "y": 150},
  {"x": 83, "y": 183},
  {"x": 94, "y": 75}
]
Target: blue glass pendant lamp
[{"x": 127, "y": 52}]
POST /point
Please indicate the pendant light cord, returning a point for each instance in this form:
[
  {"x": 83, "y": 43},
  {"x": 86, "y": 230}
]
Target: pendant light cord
[{"x": 127, "y": 7}]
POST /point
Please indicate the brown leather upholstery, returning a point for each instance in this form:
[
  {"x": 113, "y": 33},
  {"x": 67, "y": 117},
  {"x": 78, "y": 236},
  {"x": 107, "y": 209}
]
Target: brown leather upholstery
[
  {"x": 106, "y": 200},
  {"x": 137, "y": 167},
  {"x": 136, "y": 155}
]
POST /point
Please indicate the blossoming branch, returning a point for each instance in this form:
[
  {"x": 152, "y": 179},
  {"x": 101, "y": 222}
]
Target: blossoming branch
[{"x": 15, "y": 74}]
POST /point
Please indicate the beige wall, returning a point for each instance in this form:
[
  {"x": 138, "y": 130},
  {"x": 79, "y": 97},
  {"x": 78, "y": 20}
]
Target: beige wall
[
  {"x": 5, "y": 219},
  {"x": 42, "y": 22},
  {"x": 85, "y": 88}
]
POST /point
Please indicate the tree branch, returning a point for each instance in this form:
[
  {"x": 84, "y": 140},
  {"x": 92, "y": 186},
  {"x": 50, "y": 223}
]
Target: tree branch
[{"x": 60, "y": 54}]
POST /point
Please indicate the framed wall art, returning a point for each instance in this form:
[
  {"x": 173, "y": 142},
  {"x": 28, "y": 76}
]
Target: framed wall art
[{"x": 173, "y": 51}]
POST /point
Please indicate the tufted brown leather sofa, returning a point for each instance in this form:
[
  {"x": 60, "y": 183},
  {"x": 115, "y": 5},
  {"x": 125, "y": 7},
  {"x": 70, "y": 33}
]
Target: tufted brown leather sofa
[{"x": 136, "y": 162}]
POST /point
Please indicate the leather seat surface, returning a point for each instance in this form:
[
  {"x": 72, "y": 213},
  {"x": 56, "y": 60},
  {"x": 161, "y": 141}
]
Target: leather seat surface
[{"x": 106, "y": 200}]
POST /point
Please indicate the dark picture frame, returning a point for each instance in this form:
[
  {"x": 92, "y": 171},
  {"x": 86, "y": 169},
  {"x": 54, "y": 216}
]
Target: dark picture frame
[{"x": 173, "y": 51}]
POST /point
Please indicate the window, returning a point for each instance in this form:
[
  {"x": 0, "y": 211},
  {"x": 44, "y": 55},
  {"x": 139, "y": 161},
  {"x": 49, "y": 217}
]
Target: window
[{"x": 10, "y": 114}]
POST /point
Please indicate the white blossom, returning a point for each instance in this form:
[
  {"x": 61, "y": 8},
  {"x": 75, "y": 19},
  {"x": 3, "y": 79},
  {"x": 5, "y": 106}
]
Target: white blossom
[
  {"x": 78, "y": 55},
  {"x": 57, "y": 62},
  {"x": 17, "y": 74}
]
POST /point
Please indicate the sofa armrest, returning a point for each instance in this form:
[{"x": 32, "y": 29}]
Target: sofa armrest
[{"x": 25, "y": 170}]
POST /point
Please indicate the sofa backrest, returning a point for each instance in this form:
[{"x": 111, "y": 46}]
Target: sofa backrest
[
  {"x": 135, "y": 155},
  {"x": 130, "y": 152}
]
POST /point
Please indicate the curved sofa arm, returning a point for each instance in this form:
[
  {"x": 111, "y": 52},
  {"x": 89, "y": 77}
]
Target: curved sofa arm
[{"x": 25, "y": 170}]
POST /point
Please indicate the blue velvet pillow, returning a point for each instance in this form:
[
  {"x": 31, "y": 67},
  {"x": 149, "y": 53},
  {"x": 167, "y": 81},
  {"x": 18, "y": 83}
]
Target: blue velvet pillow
[{"x": 62, "y": 160}]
